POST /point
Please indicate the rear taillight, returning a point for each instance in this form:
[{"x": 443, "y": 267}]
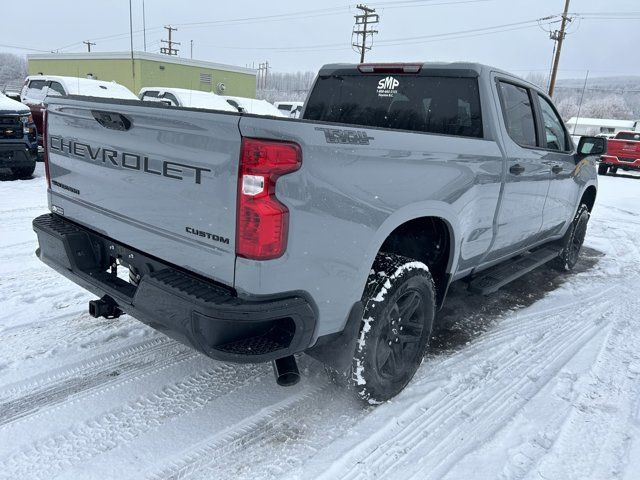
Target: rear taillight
[
  {"x": 263, "y": 222},
  {"x": 45, "y": 146}
]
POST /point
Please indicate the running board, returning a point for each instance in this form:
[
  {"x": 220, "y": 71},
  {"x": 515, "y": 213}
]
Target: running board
[{"x": 497, "y": 277}]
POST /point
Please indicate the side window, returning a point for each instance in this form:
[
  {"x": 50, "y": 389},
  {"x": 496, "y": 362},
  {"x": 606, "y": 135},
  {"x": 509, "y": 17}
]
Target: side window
[
  {"x": 55, "y": 88},
  {"x": 37, "y": 84},
  {"x": 150, "y": 96},
  {"x": 171, "y": 98},
  {"x": 34, "y": 90},
  {"x": 555, "y": 134},
  {"x": 518, "y": 114}
]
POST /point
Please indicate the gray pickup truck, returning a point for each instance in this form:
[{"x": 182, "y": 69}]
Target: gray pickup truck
[{"x": 338, "y": 234}]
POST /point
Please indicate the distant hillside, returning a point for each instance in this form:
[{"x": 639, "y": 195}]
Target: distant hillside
[{"x": 604, "y": 97}]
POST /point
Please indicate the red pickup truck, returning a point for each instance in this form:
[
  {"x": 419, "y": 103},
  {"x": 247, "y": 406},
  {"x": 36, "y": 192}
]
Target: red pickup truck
[{"x": 623, "y": 152}]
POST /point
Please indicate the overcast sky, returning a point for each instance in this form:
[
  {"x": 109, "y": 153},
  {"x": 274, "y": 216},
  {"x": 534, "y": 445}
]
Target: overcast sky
[{"x": 303, "y": 35}]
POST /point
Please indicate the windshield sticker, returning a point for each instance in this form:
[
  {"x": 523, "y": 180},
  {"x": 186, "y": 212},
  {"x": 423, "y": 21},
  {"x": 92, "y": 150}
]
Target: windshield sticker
[{"x": 388, "y": 87}]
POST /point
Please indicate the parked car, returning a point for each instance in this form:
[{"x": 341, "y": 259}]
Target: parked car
[
  {"x": 37, "y": 88},
  {"x": 18, "y": 138},
  {"x": 623, "y": 152},
  {"x": 290, "y": 109},
  {"x": 253, "y": 239},
  {"x": 251, "y": 105},
  {"x": 181, "y": 97}
]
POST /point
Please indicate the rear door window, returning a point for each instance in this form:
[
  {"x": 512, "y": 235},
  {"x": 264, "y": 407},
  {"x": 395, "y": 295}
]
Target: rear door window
[
  {"x": 442, "y": 105},
  {"x": 517, "y": 109},
  {"x": 171, "y": 99},
  {"x": 56, "y": 88}
]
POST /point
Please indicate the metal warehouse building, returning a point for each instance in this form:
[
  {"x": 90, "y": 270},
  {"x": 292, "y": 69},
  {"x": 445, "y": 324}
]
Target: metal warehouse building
[{"x": 148, "y": 70}]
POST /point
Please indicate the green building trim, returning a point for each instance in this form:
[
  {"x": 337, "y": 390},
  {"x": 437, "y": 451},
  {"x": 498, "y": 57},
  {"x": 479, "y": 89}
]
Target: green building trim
[{"x": 149, "y": 70}]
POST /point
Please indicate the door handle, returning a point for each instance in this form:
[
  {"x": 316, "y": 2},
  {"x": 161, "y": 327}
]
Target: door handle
[
  {"x": 516, "y": 169},
  {"x": 556, "y": 169}
]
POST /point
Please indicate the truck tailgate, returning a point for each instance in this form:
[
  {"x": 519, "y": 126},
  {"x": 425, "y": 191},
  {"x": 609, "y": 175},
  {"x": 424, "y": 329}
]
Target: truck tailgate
[
  {"x": 628, "y": 150},
  {"x": 161, "y": 180}
]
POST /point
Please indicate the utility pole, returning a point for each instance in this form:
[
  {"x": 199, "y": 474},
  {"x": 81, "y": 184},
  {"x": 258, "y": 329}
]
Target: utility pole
[
  {"x": 266, "y": 73},
  {"x": 88, "y": 44},
  {"x": 263, "y": 72},
  {"x": 192, "y": 49},
  {"x": 558, "y": 36},
  {"x": 169, "y": 50},
  {"x": 133, "y": 63},
  {"x": 364, "y": 20},
  {"x": 144, "y": 27}
]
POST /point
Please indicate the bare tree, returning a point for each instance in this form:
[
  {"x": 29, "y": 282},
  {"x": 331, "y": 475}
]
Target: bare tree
[
  {"x": 287, "y": 86},
  {"x": 13, "y": 70}
]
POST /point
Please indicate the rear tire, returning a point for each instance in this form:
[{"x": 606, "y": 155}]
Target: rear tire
[
  {"x": 602, "y": 169},
  {"x": 399, "y": 308},
  {"x": 573, "y": 240},
  {"x": 23, "y": 173}
]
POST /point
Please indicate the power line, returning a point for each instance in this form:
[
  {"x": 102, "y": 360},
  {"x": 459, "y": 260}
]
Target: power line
[
  {"x": 361, "y": 32},
  {"x": 275, "y": 18},
  {"x": 17, "y": 47},
  {"x": 399, "y": 41}
]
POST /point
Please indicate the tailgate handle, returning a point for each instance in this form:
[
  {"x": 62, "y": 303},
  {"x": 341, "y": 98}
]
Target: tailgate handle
[{"x": 112, "y": 120}]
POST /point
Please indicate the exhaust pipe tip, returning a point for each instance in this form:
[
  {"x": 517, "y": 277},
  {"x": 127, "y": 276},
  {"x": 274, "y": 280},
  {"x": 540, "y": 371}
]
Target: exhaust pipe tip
[{"x": 286, "y": 371}]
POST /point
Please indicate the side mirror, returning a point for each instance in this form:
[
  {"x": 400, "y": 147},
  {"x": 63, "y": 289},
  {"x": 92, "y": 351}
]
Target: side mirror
[{"x": 592, "y": 146}]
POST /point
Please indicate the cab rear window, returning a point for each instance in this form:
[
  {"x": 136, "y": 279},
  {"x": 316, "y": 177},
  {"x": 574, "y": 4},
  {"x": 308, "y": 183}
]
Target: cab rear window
[
  {"x": 443, "y": 105},
  {"x": 628, "y": 136}
]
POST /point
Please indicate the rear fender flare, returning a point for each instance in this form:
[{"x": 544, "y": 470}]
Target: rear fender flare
[{"x": 406, "y": 214}]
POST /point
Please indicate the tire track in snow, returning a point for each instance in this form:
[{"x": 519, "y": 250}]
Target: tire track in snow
[
  {"x": 511, "y": 371},
  {"x": 90, "y": 382},
  {"x": 518, "y": 325},
  {"x": 277, "y": 438},
  {"x": 239, "y": 437},
  {"x": 610, "y": 390},
  {"x": 47, "y": 457},
  {"x": 106, "y": 360}
]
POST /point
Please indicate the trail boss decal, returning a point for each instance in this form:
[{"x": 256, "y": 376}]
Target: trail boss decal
[
  {"x": 388, "y": 87},
  {"x": 347, "y": 137},
  {"x": 125, "y": 160}
]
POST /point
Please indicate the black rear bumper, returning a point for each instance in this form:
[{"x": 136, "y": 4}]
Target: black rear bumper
[{"x": 209, "y": 317}]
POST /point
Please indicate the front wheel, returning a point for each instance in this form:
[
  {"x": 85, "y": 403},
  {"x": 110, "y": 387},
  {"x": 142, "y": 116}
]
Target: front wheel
[
  {"x": 573, "y": 240},
  {"x": 602, "y": 169},
  {"x": 399, "y": 308}
]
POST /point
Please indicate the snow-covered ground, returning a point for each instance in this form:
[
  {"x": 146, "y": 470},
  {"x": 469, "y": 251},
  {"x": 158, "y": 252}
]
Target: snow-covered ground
[{"x": 539, "y": 381}]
